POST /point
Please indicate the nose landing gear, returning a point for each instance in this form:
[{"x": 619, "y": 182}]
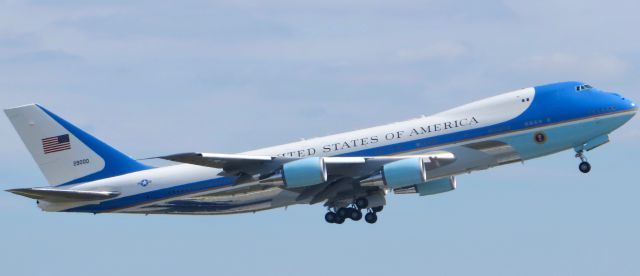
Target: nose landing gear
[{"x": 585, "y": 166}]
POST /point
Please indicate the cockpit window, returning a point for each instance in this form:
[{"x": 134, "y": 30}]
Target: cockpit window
[{"x": 583, "y": 87}]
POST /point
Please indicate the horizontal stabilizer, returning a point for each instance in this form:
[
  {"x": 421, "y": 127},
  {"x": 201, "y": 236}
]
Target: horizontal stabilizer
[{"x": 50, "y": 194}]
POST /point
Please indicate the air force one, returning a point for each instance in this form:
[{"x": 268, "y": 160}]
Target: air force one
[{"x": 350, "y": 173}]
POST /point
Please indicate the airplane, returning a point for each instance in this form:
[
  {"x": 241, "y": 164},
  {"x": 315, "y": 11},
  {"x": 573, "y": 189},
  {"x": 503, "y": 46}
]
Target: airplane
[{"x": 350, "y": 173}]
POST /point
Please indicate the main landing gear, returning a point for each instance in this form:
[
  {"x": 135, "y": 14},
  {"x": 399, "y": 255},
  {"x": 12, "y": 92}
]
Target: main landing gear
[
  {"x": 341, "y": 214},
  {"x": 353, "y": 212},
  {"x": 584, "y": 166},
  {"x": 372, "y": 215}
]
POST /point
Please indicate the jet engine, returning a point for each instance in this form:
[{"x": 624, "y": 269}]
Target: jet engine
[
  {"x": 433, "y": 187},
  {"x": 405, "y": 172},
  {"x": 304, "y": 172}
]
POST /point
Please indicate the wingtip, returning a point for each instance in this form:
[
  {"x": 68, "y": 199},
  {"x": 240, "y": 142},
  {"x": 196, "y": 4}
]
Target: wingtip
[
  {"x": 179, "y": 155},
  {"x": 172, "y": 157},
  {"x": 147, "y": 158}
]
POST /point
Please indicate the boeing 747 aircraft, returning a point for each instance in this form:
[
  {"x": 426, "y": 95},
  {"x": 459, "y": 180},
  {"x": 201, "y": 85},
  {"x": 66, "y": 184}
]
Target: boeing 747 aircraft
[{"x": 351, "y": 173}]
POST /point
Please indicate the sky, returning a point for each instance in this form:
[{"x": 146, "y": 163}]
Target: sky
[{"x": 162, "y": 77}]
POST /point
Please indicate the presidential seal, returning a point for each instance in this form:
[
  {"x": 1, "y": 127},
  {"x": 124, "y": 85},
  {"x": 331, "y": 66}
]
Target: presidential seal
[{"x": 540, "y": 137}]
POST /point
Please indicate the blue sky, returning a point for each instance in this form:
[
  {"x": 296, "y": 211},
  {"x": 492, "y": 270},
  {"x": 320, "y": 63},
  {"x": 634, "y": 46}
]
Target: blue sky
[{"x": 157, "y": 77}]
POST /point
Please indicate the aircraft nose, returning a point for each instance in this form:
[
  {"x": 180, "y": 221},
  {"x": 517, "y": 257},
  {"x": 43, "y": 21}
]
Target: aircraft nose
[
  {"x": 625, "y": 103},
  {"x": 630, "y": 105}
]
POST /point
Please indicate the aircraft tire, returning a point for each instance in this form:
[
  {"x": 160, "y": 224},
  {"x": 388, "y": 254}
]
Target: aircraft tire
[
  {"x": 362, "y": 203},
  {"x": 330, "y": 217},
  {"x": 371, "y": 218},
  {"x": 355, "y": 215},
  {"x": 343, "y": 212},
  {"x": 584, "y": 167}
]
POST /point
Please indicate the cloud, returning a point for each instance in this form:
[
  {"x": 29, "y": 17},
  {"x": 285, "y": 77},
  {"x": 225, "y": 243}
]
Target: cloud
[
  {"x": 437, "y": 51},
  {"x": 589, "y": 65},
  {"x": 40, "y": 57},
  {"x": 280, "y": 60}
]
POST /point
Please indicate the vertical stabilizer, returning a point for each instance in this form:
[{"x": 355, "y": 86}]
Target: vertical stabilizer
[{"x": 66, "y": 154}]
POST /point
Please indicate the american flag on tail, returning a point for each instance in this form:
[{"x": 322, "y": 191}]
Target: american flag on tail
[{"x": 56, "y": 143}]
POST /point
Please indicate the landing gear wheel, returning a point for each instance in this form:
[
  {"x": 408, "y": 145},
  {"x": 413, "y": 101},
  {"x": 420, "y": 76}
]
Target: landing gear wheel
[
  {"x": 371, "y": 218},
  {"x": 584, "y": 167},
  {"x": 377, "y": 209},
  {"x": 343, "y": 212},
  {"x": 339, "y": 220},
  {"x": 362, "y": 203},
  {"x": 330, "y": 217},
  {"x": 355, "y": 215}
]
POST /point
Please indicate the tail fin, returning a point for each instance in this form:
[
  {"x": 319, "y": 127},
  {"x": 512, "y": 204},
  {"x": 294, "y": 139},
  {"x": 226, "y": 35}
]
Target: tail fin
[{"x": 66, "y": 154}]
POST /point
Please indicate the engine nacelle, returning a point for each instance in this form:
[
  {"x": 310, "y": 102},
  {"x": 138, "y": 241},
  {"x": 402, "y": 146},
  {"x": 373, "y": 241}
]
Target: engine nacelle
[
  {"x": 304, "y": 172},
  {"x": 436, "y": 186},
  {"x": 405, "y": 172}
]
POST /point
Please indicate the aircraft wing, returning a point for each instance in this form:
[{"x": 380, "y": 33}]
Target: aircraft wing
[
  {"x": 232, "y": 164},
  {"x": 235, "y": 164}
]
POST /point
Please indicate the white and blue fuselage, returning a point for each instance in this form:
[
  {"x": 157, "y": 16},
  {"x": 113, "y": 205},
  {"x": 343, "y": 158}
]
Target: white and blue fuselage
[{"x": 511, "y": 127}]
